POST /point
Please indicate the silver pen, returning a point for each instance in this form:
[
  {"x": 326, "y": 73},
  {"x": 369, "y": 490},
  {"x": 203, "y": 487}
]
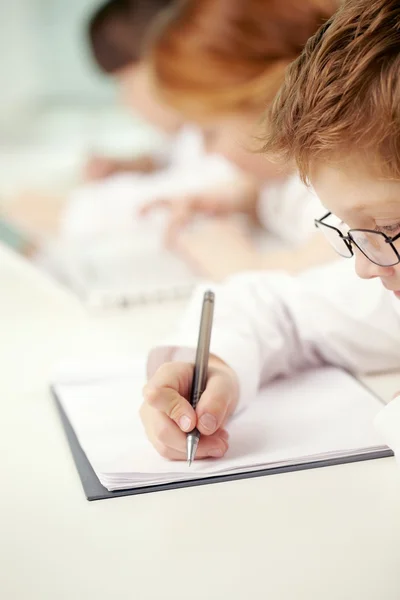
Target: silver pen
[{"x": 200, "y": 373}]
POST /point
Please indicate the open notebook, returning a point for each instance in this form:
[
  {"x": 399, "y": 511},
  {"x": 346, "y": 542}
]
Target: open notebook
[
  {"x": 106, "y": 253},
  {"x": 109, "y": 255},
  {"x": 316, "y": 418},
  {"x": 121, "y": 270}
]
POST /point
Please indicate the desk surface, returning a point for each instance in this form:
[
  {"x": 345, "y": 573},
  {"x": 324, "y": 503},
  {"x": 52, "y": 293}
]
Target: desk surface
[{"x": 328, "y": 533}]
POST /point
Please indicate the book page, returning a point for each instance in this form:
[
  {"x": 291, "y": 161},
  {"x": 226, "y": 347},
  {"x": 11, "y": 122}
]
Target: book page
[{"x": 315, "y": 414}]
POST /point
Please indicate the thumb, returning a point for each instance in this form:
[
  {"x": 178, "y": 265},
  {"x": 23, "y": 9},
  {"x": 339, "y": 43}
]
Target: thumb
[
  {"x": 215, "y": 405},
  {"x": 171, "y": 403}
]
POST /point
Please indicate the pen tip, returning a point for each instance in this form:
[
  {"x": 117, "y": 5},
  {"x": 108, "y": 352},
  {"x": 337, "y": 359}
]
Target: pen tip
[{"x": 190, "y": 462}]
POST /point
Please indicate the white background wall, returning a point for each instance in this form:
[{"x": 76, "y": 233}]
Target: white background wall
[
  {"x": 55, "y": 108},
  {"x": 44, "y": 56},
  {"x": 20, "y": 71},
  {"x": 65, "y": 56}
]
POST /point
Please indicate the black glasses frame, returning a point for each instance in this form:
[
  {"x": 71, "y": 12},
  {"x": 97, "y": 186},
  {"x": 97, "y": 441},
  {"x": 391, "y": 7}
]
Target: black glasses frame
[{"x": 349, "y": 241}]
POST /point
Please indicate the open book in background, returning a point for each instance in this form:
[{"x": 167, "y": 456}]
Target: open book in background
[
  {"x": 120, "y": 270},
  {"x": 318, "y": 417},
  {"x": 109, "y": 255}
]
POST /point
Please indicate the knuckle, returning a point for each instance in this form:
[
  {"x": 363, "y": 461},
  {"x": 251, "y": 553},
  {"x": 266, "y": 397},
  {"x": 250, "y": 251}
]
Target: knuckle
[
  {"x": 175, "y": 410},
  {"x": 151, "y": 397},
  {"x": 165, "y": 367},
  {"x": 169, "y": 371},
  {"x": 217, "y": 403}
]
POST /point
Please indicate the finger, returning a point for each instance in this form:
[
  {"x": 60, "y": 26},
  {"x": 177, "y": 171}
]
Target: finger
[
  {"x": 215, "y": 405},
  {"x": 172, "y": 404},
  {"x": 213, "y": 446},
  {"x": 170, "y": 442},
  {"x": 177, "y": 375},
  {"x": 149, "y": 207},
  {"x": 167, "y": 452},
  {"x": 181, "y": 215},
  {"x": 205, "y": 203},
  {"x": 166, "y": 432},
  {"x": 167, "y": 391},
  {"x": 209, "y": 447}
]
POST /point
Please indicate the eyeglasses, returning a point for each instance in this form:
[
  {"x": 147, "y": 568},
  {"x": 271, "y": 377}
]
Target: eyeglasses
[{"x": 375, "y": 245}]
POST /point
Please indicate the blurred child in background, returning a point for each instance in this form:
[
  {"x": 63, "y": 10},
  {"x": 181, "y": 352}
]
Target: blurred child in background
[
  {"x": 220, "y": 63},
  {"x": 117, "y": 34},
  {"x": 216, "y": 64}
]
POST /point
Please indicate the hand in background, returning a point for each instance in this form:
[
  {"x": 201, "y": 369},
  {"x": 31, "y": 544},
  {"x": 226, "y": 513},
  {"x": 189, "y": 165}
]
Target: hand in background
[
  {"x": 218, "y": 248},
  {"x": 238, "y": 196},
  {"x": 101, "y": 167},
  {"x": 221, "y": 248},
  {"x": 167, "y": 414}
]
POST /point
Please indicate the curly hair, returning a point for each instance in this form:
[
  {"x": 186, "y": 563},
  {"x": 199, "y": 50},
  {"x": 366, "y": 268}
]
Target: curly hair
[{"x": 341, "y": 97}]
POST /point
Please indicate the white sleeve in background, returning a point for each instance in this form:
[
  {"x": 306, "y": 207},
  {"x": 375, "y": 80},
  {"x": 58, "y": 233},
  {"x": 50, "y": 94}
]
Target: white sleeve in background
[
  {"x": 189, "y": 154},
  {"x": 270, "y": 324},
  {"x": 288, "y": 208},
  {"x": 110, "y": 206},
  {"x": 188, "y": 146}
]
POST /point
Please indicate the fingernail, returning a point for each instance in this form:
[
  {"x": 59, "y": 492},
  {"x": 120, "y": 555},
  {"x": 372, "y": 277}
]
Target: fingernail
[
  {"x": 209, "y": 422},
  {"x": 185, "y": 423},
  {"x": 216, "y": 453},
  {"x": 224, "y": 434}
]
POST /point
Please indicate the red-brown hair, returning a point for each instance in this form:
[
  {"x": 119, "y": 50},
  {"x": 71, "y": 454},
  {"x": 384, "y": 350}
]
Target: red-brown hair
[
  {"x": 342, "y": 95},
  {"x": 215, "y": 56}
]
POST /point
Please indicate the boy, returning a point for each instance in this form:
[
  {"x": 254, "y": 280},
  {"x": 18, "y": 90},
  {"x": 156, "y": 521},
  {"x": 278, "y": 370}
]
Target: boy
[
  {"x": 338, "y": 116},
  {"x": 117, "y": 34}
]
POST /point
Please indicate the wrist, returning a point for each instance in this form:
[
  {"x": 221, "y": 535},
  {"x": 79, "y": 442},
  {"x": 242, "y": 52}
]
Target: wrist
[
  {"x": 246, "y": 195},
  {"x": 252, "y": 195}
]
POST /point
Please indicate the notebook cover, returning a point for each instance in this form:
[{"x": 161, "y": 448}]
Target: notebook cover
[{"x": 94, "y": 490}]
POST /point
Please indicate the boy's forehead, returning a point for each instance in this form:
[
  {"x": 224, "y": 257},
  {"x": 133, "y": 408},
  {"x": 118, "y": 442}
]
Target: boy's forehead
[{"x": 351, "y": 188}]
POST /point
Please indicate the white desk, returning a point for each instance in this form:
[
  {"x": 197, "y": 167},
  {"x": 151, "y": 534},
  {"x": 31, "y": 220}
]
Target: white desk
[{"x": 326, "y": 534}]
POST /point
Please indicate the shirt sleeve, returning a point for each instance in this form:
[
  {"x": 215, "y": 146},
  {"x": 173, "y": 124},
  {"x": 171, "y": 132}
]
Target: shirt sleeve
[
  {"x": 288, "y": 208},
  {"x": 268, "y": 325}
]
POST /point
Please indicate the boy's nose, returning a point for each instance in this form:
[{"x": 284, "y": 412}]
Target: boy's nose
[{"x": 369, "y": 270}]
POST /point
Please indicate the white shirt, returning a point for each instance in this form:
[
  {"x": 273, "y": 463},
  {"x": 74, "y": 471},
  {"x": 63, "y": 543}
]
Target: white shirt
[
  {"x": 110, "y": 206},
  {"x": 268, "y": 324}
]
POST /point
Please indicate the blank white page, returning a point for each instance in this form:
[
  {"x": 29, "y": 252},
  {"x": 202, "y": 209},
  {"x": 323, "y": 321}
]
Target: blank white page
[{"x": 314, "y": 415}]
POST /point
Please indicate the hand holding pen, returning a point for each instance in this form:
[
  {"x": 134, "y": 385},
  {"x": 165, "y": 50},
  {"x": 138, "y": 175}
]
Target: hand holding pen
[{"x": 168, "y": 416}]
